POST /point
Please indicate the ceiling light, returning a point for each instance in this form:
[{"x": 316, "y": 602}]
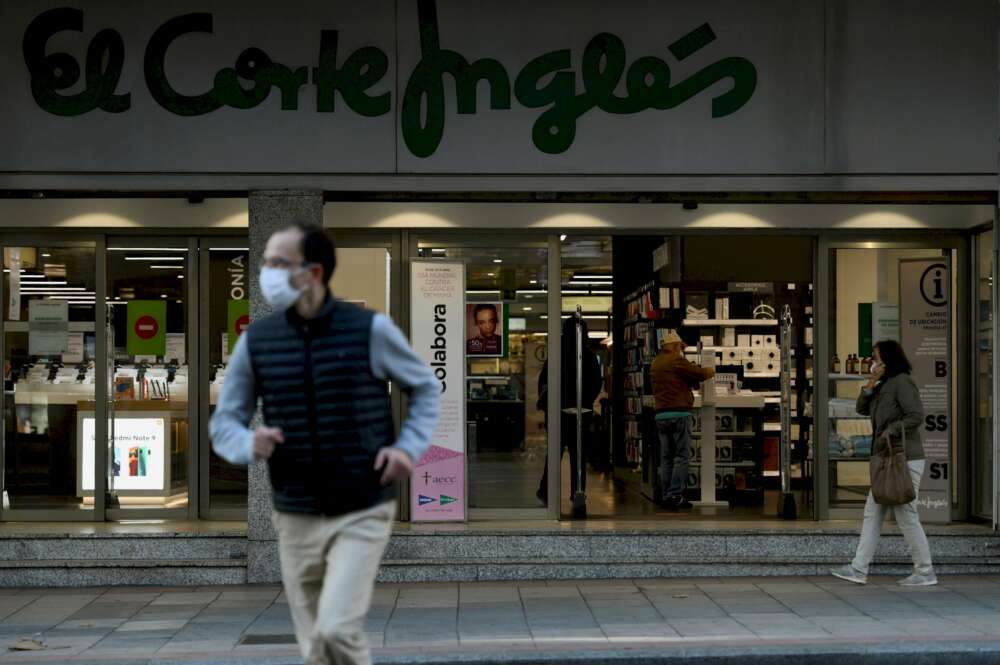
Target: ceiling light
[
  {"x": 45, "y": 256},
  {"x": 154, "y": 258},
  {"x": 41, "y": 284},
  {"x": 589, "y": 283},
  {"x": 146, "y": 249},
  {"x": 224, "y": 249},
  {"x": 497, "y": 260},
  {"x": 526, "y": 309},
  {"x": 48, "y": 289},
  {"x": 173, "y": 267},
  {"x": 482, "y": 292},
  {"x": 180, "y": 276},
  {"x": 534, "y": 281},
  {"x": 491, "y": 274},
  {"x": 562, "y": 238},
  {"x": 608, "y": 277},
  {"x": 163, "y": 296}
]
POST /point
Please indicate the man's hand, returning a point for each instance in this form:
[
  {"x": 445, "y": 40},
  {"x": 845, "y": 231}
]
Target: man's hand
[
  {"x": 394, "y": 464},
  {"x": 265, "y": 439}
]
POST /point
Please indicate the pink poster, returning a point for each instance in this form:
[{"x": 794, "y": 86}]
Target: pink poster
[
  {"x": 438, "y": 486},
  {"x": 437, "y": 332}
]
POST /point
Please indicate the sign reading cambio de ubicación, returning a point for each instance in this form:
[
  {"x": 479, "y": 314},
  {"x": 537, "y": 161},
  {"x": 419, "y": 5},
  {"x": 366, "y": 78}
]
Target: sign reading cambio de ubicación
[
  {"x": 437, "y": 328},
  {"x": 925, "y": 334}
]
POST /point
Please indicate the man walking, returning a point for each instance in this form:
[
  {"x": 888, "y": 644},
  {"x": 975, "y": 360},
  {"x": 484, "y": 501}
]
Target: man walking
[
  {"x": 321, "y": 369},
  {"x": 673, "y": 377}
]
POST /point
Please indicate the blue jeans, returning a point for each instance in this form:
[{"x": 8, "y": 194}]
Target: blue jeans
[{"x": 675, "y": 455}]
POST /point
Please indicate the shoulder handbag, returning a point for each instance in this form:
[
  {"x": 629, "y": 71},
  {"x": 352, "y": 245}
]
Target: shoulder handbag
[{"x": 890, "y": 476}]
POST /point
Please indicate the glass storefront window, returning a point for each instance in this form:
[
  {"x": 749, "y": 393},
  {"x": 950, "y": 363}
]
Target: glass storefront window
[
  {"x": 506, "y": 352},
  {"x": 49, "y": 378},
  {"x": 147, "y": 299},
  {"x": 984, "y": 308},
  {"x": 227, "y": 315}
]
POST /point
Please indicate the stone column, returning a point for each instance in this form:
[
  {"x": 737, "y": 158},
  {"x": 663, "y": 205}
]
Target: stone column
[{"x": 269, "y": 211}]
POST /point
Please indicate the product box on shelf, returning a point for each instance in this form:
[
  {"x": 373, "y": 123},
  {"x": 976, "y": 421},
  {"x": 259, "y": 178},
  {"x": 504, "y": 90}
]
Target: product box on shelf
[{"x": 697, "y": 306}]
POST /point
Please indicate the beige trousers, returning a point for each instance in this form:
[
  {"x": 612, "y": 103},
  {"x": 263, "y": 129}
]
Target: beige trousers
[{"x": 328, "y": 567}]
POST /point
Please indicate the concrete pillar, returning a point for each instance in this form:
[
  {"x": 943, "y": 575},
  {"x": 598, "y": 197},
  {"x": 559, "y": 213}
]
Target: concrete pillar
[{"x": 269, "y": 211}]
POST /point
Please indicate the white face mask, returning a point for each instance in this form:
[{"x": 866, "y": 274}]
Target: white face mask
[{"x": 276, "y": 287}]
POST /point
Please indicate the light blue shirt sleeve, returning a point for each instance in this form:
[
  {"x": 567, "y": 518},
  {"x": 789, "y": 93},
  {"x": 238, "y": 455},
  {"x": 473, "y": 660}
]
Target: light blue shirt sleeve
[
  {"x": 393, "y": 359},
  {"x": 232, "y": 438}
]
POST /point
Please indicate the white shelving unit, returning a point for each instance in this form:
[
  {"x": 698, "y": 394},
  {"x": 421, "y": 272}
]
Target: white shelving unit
[{"x": 748, "y": 323}]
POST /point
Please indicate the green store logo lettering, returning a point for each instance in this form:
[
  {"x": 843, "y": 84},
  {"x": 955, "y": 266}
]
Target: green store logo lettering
[{"x": 423, "y": 112}]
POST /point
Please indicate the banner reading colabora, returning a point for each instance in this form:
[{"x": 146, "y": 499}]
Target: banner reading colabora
[
  {"x": 925, "y": 334},
  {"x": 437, "y": 331}
]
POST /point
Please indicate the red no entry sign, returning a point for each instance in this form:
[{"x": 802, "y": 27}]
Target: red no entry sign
[{"x": 146, "y": 327}]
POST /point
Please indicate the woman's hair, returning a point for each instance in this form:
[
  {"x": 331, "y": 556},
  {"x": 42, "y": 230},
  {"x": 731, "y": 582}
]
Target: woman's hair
[{"x": 893, "y": 358}]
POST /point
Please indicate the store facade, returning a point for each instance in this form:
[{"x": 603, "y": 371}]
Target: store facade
[{"x": 565, "y": 167}]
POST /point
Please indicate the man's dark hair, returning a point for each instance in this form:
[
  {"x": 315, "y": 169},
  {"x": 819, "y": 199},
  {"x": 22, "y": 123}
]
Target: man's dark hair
[
  {"x": 317, "y": 247},
  {"x": 893, "y": 358},
  {"x": 483, "y": 308}
]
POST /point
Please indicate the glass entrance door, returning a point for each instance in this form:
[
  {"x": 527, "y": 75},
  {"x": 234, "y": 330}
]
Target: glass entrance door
[
  {"x": 224, "y": 309},
  {"x": 511, "y": 472},
  {"x": 151, "y": 472},
  {"x": 875, "y": 291},
  {"x": 49, "y": 456}
]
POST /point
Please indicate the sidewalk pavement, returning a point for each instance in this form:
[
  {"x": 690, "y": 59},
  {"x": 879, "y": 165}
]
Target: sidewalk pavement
[{"x": 714, "y": 620}]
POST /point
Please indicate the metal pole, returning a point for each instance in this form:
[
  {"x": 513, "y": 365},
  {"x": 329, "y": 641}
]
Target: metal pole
[
  {"x": 579, "y": 497},
  {"x": 787, "y": 498}
]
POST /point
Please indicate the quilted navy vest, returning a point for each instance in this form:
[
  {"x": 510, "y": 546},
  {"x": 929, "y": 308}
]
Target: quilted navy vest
[{"x": 315, "y": 381}]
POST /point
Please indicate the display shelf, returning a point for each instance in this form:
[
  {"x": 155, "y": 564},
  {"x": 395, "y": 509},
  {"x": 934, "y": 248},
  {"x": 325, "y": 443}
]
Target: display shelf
[
  {"x": 728, "y": 435},
  {"x": 848, "y": 377},
  {"x": 715, "y": 323}
]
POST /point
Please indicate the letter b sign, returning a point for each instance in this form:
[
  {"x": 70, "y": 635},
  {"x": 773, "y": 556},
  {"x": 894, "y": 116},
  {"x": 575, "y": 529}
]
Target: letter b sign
[{"x": 940, "y": 369}]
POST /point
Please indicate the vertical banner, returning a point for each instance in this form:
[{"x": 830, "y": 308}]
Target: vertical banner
[
  {"x": 437, "y": 331},
  {"x": 925, "y": 334}
]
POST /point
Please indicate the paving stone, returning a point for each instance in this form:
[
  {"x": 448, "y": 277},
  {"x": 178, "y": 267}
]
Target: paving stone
[
  {"x": 856, "y": 627},
  {"x": 784, "y": 626},
  {"x": 160, "y": 624},
  {"x": 186, "y": 598},
  {"x": 725, "y": 628}
]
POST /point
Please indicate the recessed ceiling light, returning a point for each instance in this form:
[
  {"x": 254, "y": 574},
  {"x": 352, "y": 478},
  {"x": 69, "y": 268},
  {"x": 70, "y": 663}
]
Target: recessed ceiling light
[
  {"x": 497, "y": 260},
  {"x": 562, "y": 238},
  {"x": 534, "y": 281},
  {"x": 491, "y": 274},
  {"x": 526, "y": 309}
]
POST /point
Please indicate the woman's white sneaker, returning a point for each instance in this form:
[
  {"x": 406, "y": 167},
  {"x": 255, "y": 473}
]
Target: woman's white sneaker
[
  {"x": 849, "y": 573},
  {"x": 916, "y": 579}
]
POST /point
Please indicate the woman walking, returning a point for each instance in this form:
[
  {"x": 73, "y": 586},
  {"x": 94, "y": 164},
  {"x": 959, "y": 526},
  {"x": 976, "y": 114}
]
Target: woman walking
[{"x": 892, "y": 400}]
